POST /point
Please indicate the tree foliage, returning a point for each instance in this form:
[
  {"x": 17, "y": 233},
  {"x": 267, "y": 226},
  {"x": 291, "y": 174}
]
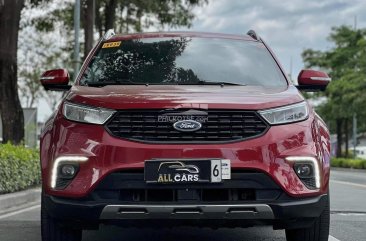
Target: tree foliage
[
  {"x": 135, "y": 15},
  {"x": 40, "y": 48},
  {"x": 346, "y": 64},
  {"x": 125, "y": 15},
  {"x": 46, "y": 39}
]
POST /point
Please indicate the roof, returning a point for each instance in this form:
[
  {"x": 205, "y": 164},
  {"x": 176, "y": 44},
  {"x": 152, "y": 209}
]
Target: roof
[{"x": 180, "y": 34}]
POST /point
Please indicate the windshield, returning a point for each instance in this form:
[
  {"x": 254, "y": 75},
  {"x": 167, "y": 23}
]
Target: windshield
[{"x": 172, "y": 61}]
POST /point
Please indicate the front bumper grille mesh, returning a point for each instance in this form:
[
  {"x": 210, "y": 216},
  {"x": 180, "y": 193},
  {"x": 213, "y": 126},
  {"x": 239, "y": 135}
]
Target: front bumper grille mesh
[
  {"x": 220, "y": 126},
  {"x": 130, "y": 187}
]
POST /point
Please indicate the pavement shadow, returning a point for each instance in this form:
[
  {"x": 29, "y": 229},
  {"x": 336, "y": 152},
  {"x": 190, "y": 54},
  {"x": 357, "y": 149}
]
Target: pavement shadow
[{"x": 184, "y": 234}]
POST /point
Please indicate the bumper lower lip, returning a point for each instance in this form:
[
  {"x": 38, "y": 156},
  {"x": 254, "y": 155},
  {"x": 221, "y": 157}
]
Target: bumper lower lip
[
  {"x": 98, "y": 211},
  {"x": 235, "y": 211}
]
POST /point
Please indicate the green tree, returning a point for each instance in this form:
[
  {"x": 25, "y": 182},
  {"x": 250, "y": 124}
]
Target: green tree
[
  {"x": 10, "y": 107},
  {"x": 346, "y": 64},
  {"x": 38, "y": 50},
  {"x": 123, "y": 15},
  {"x": 135, "y": 15}
]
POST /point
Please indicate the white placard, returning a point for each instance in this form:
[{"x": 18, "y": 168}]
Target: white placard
[
  {"x": 216, "y": 170},
  {"x": 225, "y": 169}
]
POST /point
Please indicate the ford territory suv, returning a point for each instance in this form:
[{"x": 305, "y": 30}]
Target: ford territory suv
[{"x": 184, "y": 128}]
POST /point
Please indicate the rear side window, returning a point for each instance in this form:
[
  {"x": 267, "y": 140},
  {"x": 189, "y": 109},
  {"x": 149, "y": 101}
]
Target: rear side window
[{"x": 172, "y": 61}]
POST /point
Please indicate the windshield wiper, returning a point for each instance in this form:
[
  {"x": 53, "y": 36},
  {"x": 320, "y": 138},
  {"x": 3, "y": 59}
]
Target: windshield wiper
[
  {"x": 204, "y": 82},
  {"x": 104, "y": 83},
  {"x": 126, "y": 82}
]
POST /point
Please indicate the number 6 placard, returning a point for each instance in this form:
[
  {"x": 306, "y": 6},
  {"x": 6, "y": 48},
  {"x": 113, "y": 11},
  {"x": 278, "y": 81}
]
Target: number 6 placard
[{"x": 216, "y": 171}]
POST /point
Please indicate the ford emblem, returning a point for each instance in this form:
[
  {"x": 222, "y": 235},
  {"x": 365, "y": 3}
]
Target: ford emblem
[{"x": 187, "y": 125}]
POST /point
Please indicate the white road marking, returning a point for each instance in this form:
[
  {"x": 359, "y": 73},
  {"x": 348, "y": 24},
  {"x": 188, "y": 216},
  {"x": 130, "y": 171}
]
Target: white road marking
[
  {"x": 331, "y": 238},
  {"x": 19, "y": 211},
  {"x": 349, "y": 183},
  {"x": 351, "y": 214}
]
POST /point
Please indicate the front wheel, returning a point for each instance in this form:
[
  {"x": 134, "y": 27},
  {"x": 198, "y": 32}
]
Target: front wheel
[
  {"x": 52, "y": 231},
  {"x": 319, "y": 231}
]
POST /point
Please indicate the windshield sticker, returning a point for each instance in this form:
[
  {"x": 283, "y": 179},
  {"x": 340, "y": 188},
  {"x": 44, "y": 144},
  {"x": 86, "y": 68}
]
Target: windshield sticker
[{"x": 111, "y": 45}]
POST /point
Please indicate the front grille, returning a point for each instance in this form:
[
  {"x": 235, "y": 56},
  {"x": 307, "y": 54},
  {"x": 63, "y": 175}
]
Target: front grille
[
  {"x": 217, "y": 126},
  {"x": 181, "y": 195}
]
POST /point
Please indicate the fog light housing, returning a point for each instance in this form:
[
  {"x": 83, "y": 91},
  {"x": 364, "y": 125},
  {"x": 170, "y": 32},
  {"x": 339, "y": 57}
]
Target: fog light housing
[
  {"x": 63, "y": 173},
  {"x": 307, "y": 169},
  {"x": 68, "y": 170}
]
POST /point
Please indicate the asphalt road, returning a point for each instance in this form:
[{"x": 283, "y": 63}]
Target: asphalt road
[{"x": 348, "y": 221}]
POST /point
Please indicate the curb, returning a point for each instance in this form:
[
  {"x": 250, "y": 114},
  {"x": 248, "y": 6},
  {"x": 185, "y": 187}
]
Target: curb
[
  {"x": 347, "y": 169},
  {"x": 11, "y": 201}
]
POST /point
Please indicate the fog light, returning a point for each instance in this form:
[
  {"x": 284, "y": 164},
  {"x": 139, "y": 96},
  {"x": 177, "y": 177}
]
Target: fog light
[
  {"x": 68, "y": 170},
  {"x": 307, "y": 169},
  {"x": 304, "y": 170}
]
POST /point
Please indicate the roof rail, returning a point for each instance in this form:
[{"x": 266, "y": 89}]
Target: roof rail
[
  {"x": 109, "y": 34},
  {"x": 253, "y": 34}
]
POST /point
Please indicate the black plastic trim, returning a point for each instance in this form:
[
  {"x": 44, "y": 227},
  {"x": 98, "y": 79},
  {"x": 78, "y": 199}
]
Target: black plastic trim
[
  {"x": 311, "y": 88},
  {"x": 57, "y": 87},
  {"x": 294, "y": 212}
]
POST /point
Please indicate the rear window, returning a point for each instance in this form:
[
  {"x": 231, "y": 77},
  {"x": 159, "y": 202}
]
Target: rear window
[{"x": 172, "y": 61}]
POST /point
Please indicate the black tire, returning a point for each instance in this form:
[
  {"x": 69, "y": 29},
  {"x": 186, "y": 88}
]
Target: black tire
[
  {"x": 319, "y": 231},
  {"x": 52, "y": 231}
]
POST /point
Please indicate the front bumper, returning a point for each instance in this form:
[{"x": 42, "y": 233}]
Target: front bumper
[{"x": 107, "y": 155}]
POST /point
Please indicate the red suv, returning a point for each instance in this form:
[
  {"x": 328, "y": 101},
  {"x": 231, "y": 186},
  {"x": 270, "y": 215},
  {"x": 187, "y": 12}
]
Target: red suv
[{"x": 184, "y": 128}]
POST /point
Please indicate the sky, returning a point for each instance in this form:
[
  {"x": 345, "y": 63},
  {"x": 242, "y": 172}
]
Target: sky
[{"x": 287, "y": 26}]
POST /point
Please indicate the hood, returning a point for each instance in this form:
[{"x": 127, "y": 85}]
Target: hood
[{"x": 184, "y": 96}]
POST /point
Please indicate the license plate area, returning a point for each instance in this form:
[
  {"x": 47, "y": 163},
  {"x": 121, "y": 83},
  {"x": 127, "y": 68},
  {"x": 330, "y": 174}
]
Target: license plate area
[{"x": 176, "y": 171}]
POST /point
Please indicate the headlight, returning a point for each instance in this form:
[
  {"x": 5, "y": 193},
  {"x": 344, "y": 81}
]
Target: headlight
[
  {"x": 286, "y": 114},
  {"x": 86, "y": 114}
]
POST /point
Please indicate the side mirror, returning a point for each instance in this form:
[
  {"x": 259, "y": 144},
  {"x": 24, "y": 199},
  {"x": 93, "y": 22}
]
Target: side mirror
[
  {"x": 56, "y": 79},
  {"x": 312, "y": 80}
]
